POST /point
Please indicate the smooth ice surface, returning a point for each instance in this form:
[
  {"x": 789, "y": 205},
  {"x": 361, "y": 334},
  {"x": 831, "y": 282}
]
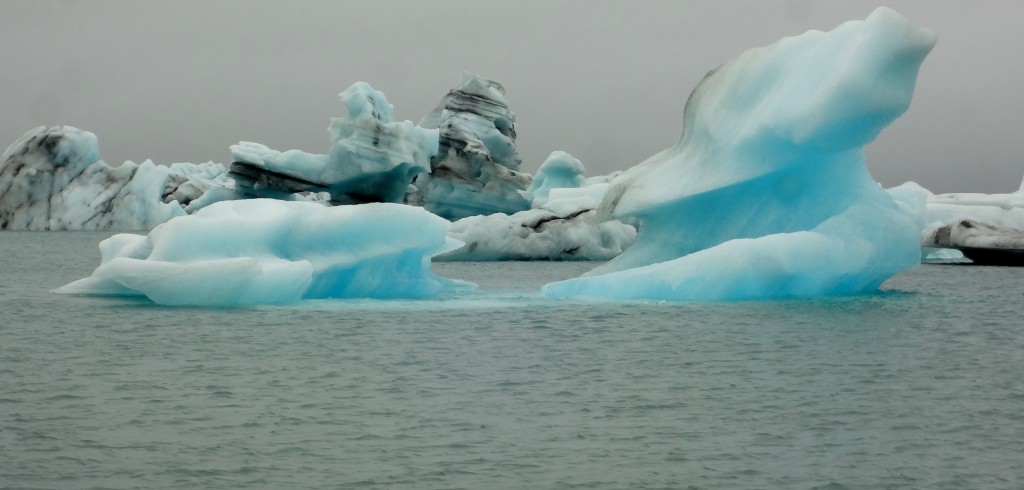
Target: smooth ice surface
[
  {"x": 766, "y": 194},
  {"x": 266, "y": 251},
  {"x": 1004, "y": 210},
  {"x": 476, "y": 169},
  {"x": 372, "y": 158},
  {"x": 560, "y": 171},
  {"x": 53, "y": 179}
]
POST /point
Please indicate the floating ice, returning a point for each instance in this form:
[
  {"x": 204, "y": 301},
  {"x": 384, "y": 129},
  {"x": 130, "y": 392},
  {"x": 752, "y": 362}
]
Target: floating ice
[
  {"x": 53, "y": 179},
  {"x": 560, "y": 171},
  {"x": 766, "y": 193},
  {"x": 973, "y": 234},
  {"x": 265, "y": 251},
  {"x": 1003, "y": 210},
  {"x": 562, "y": 226},
  {"x": 475, "y": 170},
  {"x": 996, "y": 211},
  {"x": 539, "y": 234},
  {"x": 372, "y": 158},
  {"x": 981, "y": 242}
]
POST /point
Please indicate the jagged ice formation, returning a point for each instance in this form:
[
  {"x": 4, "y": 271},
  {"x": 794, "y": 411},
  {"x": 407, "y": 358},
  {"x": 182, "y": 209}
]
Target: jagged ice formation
[
  {"x": 372, "y": 158},
  {"x": 476, "y": 168},
  {"x": 53, "y": 179}
]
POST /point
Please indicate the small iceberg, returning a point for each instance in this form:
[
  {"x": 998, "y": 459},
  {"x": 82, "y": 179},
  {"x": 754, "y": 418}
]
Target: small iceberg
[{"x": 264, "y": 251}]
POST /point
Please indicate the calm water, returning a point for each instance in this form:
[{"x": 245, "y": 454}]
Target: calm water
[{"x": 920, "y": 387}]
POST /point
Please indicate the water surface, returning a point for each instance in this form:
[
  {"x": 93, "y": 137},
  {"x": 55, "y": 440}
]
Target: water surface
[{"x": 918, "y": 387}]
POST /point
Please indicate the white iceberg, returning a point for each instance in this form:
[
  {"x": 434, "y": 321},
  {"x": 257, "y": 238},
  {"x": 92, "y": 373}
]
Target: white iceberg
[
  {"x": 563, "y": 224},
  {"x": 265, "y": 251},
  {"x": 766, "y": 194},
  {"x": 53, "y": 179},
  {"x": 372, "y": 158},
  {"x": 1003, "y": 210},
  {"x": 995, "y": 211},
  {"x": 539, "y": 234}
]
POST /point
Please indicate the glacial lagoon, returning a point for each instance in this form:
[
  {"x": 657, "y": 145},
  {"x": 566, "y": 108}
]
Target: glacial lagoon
[{"x": 916, "y": 387}]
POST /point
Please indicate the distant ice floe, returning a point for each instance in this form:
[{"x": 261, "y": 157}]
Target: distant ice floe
[
  {"x": 53, "y": 179},
  {"x": 992, "y": 214},
  {"x": 766, "y": 194},
  {"x": 563, "y": 224},
  {"x": 264, "y": 251}
]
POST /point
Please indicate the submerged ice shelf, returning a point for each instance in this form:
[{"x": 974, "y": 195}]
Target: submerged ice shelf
[{"x": 766, "y": 194}]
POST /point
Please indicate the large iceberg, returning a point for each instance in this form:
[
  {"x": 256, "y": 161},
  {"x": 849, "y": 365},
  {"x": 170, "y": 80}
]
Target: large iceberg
[
  {"x": 265, "y": 251},
  {"x": 476, "y": 168},
  {"x": 372, "y": 158},
  {"x": 766, "y": 194},
  {"x": 563, "y": 224},
  {"x": 53, "y": 179}
]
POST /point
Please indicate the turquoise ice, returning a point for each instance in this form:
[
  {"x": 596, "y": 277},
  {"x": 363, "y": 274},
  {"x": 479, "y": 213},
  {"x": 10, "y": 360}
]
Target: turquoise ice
[
  {"x": 766, "y": 194},
  {"x": 265, "y": 251}
]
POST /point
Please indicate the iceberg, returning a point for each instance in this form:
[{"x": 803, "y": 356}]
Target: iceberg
[
  {"x": 538, "y": 234},
  {"x": 53, "y": 179},
  {"x": 563, "y": 224},
  {"x": 476, "y": 168},
  {"x": 766, "y": 194},
  {"x": 264, "y": 251},
  {"x": 981, "y": 242},
  {"x": 372, "y": 158},
  {"x": 1002, "y": 210},
  {"x": 948, "y": 211},
  {"x": 560, "y": 171}
]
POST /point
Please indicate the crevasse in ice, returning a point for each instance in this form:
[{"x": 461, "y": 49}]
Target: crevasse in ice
[
  {"x": 372, "y": 158},
  {"x": 53, "y": 179},
  {"x": 766, "y": 194},
  {"x": 265, "y": 251}
]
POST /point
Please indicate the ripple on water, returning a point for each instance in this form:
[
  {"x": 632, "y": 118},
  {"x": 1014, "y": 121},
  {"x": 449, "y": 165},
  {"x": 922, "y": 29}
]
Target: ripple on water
[{"x": 918, "y": 388}]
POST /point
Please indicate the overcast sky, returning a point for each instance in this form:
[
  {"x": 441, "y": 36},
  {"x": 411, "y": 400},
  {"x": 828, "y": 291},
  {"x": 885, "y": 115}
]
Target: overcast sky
[{"x": 180, "y": 81}]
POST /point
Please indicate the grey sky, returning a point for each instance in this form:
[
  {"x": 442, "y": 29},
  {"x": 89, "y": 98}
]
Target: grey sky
[{"x": 603, "y": 80}]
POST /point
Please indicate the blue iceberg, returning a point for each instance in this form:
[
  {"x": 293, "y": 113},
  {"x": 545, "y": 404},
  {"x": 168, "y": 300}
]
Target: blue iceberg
[
  {"x": 560, "y": 171},
  {"x": 372, "y": 157},
  {"x": 265, "y": 251},
  {"x": 766, "y": 194}
]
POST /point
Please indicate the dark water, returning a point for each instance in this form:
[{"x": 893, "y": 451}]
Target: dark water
[{"x": 920, "y": 387}]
